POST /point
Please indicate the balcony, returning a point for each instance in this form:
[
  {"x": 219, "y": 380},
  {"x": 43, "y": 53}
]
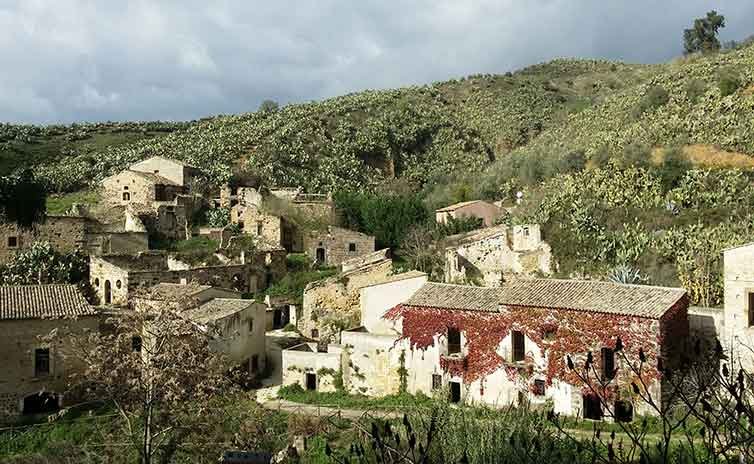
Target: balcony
[{"x": 454, "y": 364}]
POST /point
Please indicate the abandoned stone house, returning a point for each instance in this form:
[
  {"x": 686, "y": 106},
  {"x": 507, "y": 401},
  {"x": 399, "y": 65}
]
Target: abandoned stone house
[
  {"x": 79, "y": 232},
  {"x": 333, "y": 246},
  {"x": 237, "y": 325},
  {"x": 115, "y": 278},
  {"x": 481, "y": 209},
  {"x": 493, "y": 255},
  {"x": 334, "y": 301},
  {"x": 159, "y": 190},
  {"x": 312, "y": 205},
  {"x": 254, "y": 221},
  {"x": 368, "y": 356},
  {"x": 32, "y": 377},
  {"x": 504, "y": 345}
]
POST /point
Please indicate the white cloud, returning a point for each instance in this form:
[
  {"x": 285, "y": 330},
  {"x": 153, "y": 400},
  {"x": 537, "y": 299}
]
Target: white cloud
[{"x": 69, "y": 60}]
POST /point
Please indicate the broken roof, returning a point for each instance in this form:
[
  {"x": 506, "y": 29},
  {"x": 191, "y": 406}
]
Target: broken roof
[
  {"x": 42, "y": 301},
  {"x": 218, "y": 308},
  {"x": 456, "y": 206},
  {"x": 577, "y": 295},
  {"x": 476, "y": 235}
]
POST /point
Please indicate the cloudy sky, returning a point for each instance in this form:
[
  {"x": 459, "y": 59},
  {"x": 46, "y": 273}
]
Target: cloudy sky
[{"x": 77, "y": 60}]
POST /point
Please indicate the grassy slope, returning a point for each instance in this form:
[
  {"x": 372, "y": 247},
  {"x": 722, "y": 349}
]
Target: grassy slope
[{"x": 424, "y": 133}]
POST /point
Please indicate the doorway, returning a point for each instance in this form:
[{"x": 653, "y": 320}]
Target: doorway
[
  {"x": 321, "y": 255},
  {"x": 40, "y": 403},
  {"x": 311, "y": 381},
  {"x": 455, "y": 392},
  {"x": 108, "y": 292}
]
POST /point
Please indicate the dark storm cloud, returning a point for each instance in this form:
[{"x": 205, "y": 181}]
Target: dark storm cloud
[{"x": 73, "y": 60}]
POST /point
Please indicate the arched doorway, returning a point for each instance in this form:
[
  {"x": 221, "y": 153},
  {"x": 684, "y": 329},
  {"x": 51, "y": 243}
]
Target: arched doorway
[
  {"x": 40, "y": 403},
  {"x": 108, "y": 292}
]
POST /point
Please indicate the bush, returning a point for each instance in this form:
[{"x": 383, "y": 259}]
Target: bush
[
  {"x": 728, "y": 82},
  {"x": 695, "y": 89},
  {"x": 655, "y": 97},
  {"x": 218, "y": 217}
]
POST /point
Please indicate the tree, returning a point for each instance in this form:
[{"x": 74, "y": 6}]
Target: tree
[
  {"x": 702, "y": 37},
  {"x": 159, "y": 371},
  {"x": 269, "y": 106},
  {"x": 43, "y": 264},
  {"x": 22, "y": 199}
]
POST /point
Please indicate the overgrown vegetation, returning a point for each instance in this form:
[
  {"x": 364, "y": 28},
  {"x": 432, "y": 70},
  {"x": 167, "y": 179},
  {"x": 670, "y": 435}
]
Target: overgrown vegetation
[{"x": 300, "y": 273}]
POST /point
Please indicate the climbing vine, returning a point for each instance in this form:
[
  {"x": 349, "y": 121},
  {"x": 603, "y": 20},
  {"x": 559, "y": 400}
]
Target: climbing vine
[{"x": 557, "y": 333}]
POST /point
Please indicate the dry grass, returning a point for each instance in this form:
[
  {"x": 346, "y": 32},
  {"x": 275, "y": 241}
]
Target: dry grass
[{"x": 710, "y": 157}]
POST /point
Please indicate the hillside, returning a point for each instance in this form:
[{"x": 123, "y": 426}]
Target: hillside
[{"x": 416, "y": 132}]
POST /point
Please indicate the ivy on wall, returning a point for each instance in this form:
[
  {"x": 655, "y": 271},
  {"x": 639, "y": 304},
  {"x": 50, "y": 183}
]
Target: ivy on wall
[{"x": 558, "y": 333}]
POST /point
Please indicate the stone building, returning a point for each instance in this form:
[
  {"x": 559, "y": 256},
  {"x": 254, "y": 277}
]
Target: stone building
[
  {"x": 738, "y": 313},
  {"x": 508, "y": 344},
  {"x": 32, "y": 377},
  {"x": 76, "y": 232},
  {"x": 504, "y": 345},
  {"x": 310, "y": 205},
  {"x": 481, "y": 209},
  {"x": 334, "y": 245},
  {"x": 159, "y": 191},
  {"x": 115, "y": 278},
  {"x": 334, "y": 302},
  {"x": 254, "y": 221},
  {"x": 493, "y": 255}
]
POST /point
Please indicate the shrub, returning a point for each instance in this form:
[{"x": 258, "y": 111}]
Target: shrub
[
  {"x": 695, "y": 89},
  {"x": 655, "y": 97},
  {"x": 218, "y": 217},
  {"x": 728, "y": 82}
]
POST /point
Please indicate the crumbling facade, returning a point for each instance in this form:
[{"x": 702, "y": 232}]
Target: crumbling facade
[
  {"x": 33, "y": 369},
  {"x": 481, "y": 209},
  {"x": 115, "y": 278},
  {"x": 333, "y": 246},
  {"x": 493, "y": 255},
  {"x": 334, "y": 302},
  {"x": 80, "y": 232}
]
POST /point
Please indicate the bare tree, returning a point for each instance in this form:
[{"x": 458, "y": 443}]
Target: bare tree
[{"x": 157, "y": 369}]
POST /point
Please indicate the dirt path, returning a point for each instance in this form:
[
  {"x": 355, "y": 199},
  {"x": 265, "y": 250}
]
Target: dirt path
[{"x": 326, "y": 411}]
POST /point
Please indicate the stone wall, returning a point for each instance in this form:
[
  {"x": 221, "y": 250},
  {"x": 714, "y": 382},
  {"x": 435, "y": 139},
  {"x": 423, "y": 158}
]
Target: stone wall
[
  {"x": 18, "y": 340},
  {"x": 258, "y": 224},
  {"x": 335, "y": 245},
  {"x": 121, "y": 283},
  {"x": 65, "y": 233},
  {"x": 491, "y": 260},
  {"x": 172, "y": 170},
  {"x": 304, "y": 359},
  {"x": 739, "y": 288},
  {"x": 334, "y": 302},
  {"x": 126, "y": 188}
]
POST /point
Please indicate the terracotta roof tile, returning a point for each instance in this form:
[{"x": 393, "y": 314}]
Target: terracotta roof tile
[
  {"x": 455, "y": 206},
  {"x": 42, "y": 301},
  {"x": 577, "y": 295}
]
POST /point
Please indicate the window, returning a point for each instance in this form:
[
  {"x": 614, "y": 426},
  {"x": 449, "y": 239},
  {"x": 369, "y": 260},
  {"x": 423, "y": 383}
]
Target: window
[
  {"x": 608, "y": 363},
  {"x": 41, "y": 362},
  {"x": 751, "y": 309},
  {"x": 241, "y": 225},
  {"x": 125, "y": 187},
  {"x": 136, "y": 344},
  {"x": 624, "y": 411},
  {"x": 454, "y": 340},
  {"x": 251, "y": 325},
  {"x": 315, "y": 333},
  {"x": 526, "y": 231},
  {"x": 12, "y": 242},
  {"x": 259, "y": 228},
  {"x": 96, "y": 283},
  {"x": 436, "y": 381},
  {"x": 517, "y": 340},
  {"x": 592, "y": 407},
  {"x": 351, "y": 247},
  {"x": 126, "y": 196},
  {"x": 118, "y": 284},
  {"x": 539, "y": 387}
]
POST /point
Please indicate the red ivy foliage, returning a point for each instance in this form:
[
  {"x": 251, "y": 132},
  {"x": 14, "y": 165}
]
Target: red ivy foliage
[{"x": 557, "y": 332}]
